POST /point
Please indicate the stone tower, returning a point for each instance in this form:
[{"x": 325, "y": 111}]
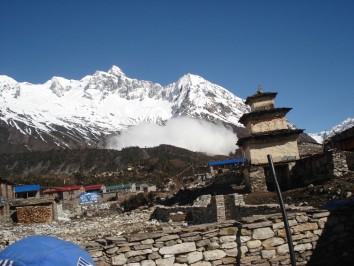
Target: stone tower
[{"x": 269, "y": 133}]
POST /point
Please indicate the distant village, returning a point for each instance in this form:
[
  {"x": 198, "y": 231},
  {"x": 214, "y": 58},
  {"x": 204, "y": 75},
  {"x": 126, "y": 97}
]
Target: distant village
[{"x": 32, "y": 204}]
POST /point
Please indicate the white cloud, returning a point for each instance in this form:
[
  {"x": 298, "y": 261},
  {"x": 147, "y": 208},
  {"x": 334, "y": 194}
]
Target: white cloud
[{"x": 188, "y": 133}]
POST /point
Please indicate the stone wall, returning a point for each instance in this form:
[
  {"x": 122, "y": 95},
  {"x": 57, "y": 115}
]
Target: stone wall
[
  {"x": 350, "y": 160},
  {"x": 265, "y": 104},
  {"x": 269, "y": 124},
  {"x": 337, "y": 163},
  {"x": 206, "y": 209},
  {"x": 307, "y": 149},
  {"x": 319, "y": 166},
  {"x": 257, "y": 153},
  {"x": 6, "y": 190},
  {"x": 255, "y": 178},
  {"x": 319, "y": 237},
  {"x": 119, "y": 195}
]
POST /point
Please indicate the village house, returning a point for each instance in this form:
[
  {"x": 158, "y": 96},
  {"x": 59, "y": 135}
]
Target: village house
[
  {"x": 119, "y": 192},
  {"x": 269, "y": 133},
  {"x": 23, "y": 204},
  {"x": 7, "y": 189},
  {"x": 27, "y": 191},
  {"x": 336, "y": 160},
  {"x": 225, "y": 165},
  {"x": 145, "y": 188},
  {"x": 33, "y": 210},
  {"x": 343, "y": 141},
  {"x": 7, "y": 192},
  {"x": 73, "y": 192}
]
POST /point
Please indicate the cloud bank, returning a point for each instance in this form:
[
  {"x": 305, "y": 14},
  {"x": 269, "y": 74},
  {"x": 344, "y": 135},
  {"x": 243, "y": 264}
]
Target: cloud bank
[{"x": 188, "y": 133}]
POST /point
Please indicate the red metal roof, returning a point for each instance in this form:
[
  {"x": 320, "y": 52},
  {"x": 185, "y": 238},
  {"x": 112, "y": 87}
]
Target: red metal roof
[
  {"x": 71, "y": 188},
  {"x": 93, "y": 187}
]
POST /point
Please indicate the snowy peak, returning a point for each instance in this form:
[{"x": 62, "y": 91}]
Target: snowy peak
[
  {"x": 348, "y": 123},
  {"x": 323, "y": 135},
  {"x": 76, "y": 113},
  {"x": 116, "y": 71},
  {"x": 194, "y": 96},
  {"x": 6, "y": 80},
  {"x": 189, "y": 80},
  {"x": 6, "y": 83}
]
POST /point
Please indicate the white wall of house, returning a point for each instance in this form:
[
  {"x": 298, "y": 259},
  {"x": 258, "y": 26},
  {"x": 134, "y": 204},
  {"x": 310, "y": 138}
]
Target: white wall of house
[{"x": 257, "y": 153}]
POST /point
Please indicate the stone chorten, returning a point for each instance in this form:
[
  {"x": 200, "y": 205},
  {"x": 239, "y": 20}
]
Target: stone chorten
[{"x": 269, "y": 134}]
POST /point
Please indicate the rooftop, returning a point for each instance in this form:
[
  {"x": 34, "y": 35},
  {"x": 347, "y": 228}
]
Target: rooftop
[
  {"x": 233, "y": 161},
  {"x": 75, "y": 187},
  {"x": 27, "y": 188},
  {"x": 260, "y": 94},
  {"x": 269, "y": 135},
  {"x": 276, "y": 112}
]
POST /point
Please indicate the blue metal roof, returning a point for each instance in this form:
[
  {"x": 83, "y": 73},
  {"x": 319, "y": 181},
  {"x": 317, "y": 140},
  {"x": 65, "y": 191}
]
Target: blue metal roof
[
  {"x": 233, "y": 161},
  {"x": 27, "y": 188}
]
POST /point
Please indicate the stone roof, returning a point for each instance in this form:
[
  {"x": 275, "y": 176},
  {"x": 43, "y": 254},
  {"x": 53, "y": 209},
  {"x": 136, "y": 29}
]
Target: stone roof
[
  {"x": 343, "y": 141},
  {"x": 346, "y": 134},
  {"x": 275, "y": 112},
  {"x": 259, "y": 95},
  {"x": 269, "y": 135},
  {"x": 31, "y": 201}
]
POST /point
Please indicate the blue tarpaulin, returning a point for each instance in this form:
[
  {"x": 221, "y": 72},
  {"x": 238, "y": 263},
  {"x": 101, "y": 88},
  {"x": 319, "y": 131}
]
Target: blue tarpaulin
[
  {"x": 339, "y": 203},
  {"x": 44, "y": 250},
  {"x": 90, "y": 197}
]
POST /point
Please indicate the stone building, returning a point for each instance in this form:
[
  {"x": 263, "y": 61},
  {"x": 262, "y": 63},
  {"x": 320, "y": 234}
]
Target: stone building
[
  {"x": 225, "y": 165},
  {"x": 7, "y": 192},
  {"x": 33, "y": 210},
  {"x": 269, "y": 133},
  {"x": 7, "y": 189},
  {"x": 343, "y": 141}
]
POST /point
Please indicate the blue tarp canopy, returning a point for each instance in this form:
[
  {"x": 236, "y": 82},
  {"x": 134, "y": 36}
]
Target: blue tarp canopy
[
  {"x": 44, "y": 250},
  {"x": 28, "y": 188},
  {"x": 233, "y": 161},
  {"x": 340, "y": 203}
]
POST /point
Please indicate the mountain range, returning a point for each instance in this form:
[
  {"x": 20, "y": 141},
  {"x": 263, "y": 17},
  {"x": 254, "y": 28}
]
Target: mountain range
[
  {"x": 73, "y": 114},
  {"x": 64, "y": 113}
]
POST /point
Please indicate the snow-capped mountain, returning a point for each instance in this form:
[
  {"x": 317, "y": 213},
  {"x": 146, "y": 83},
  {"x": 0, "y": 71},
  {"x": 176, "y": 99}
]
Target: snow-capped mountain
[
  {"x": 323, "y": 135},
  {"x": 82, "y": 113}
]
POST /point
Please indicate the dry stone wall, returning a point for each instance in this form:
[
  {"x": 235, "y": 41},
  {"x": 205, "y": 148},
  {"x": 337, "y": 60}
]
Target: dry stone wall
[
  {"x": 328, "y": 164},
  {"x": 320, "y": 237},
  {"x": 206, "y": 209},
  {"x": 350, "y": 160}
]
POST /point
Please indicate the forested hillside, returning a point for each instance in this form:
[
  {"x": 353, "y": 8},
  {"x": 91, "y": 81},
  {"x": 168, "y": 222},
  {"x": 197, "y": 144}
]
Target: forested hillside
[{"x": 88, "y": 166}]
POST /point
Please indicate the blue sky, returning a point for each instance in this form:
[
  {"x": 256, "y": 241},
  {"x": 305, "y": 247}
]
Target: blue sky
[{"x": 304, "y": 50}]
